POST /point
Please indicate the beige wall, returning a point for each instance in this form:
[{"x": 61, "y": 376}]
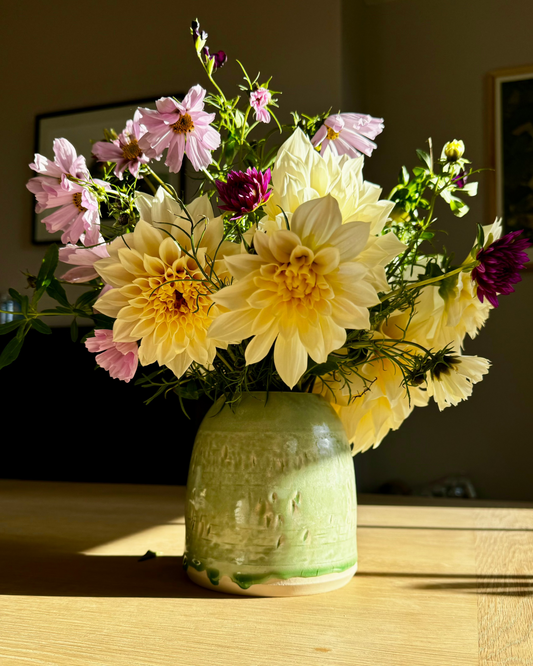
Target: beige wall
[{"x": 422, "y": 65}]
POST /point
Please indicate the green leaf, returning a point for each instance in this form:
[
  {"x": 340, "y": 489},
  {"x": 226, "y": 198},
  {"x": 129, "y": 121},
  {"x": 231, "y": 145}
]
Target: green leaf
[
  {"x": 46, "y": 272},
  {"x": 56, "y": 291},
  {"x": 424, "y": 157},
  {"x": 74, "y": 330},
  {"x": 15, "y": 295},
  {"x": 41, "y": 326},
  {"x": 427, "y": 235},
  {"x": 87, "y": 299},
  {"x": 419, "y": 171},
  {"x": 24, "y": 305},
  {"x": 324, "y": 368},
  {"x": 404, "y": 176},
  {"x": 10, "y": 326},
  {"x": 11, "y": 351},
  {"x": 102, "y": 321}
]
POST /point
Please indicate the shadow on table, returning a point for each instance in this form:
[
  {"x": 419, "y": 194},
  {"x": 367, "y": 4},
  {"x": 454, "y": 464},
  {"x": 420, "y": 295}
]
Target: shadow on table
[
  {"x": 494, "y": 584},
  {"x": 42, "y": 573}
]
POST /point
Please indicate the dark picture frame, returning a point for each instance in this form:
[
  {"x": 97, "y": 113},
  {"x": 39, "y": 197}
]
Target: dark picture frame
[
  {"x": 82, "y": 127},
  {"x": 511, "y": 130}
]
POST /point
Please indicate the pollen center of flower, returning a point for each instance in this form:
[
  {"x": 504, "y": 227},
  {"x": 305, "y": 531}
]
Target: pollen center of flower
[
  {"x": 183, "y": 125},
  {"x": 332, "y": 134},
  {"x": 76, "y": 199},
  {"x": 131, "y": 150},
  {"x": 296, "y": 285}
]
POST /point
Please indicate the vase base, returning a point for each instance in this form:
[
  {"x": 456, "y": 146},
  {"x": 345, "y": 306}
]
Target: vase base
[{"x": 277, "y": 587}]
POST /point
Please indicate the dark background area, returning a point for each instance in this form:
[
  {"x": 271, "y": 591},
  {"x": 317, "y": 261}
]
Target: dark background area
[{"x": 69, "y": 421}]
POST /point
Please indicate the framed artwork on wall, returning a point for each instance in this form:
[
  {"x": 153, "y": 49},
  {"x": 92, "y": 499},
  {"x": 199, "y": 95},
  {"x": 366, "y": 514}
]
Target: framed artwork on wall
[
  {"x": 511, "y": 97},
  {"x": 83, "y": 127}
]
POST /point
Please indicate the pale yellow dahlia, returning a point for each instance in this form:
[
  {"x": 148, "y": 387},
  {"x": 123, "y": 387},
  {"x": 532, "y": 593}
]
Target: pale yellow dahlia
[
  {"x": 301, "y": 174},
  {"x": 301, "y": 291},
  {"x": 160, "y": 293},
  {"x": 375, "y": 402}
]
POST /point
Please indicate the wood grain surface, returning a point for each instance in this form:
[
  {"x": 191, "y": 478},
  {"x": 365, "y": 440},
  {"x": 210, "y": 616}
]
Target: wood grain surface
[{"x": 439, "y": 586}]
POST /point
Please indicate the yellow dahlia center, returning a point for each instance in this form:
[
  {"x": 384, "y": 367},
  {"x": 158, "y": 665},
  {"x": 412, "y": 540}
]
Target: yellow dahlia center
[
  {"x": 297, "y": 284},
  {"x": 131, "y": 150},
  {"x": 176, "y": 300},
  {"x": 183, "y": 125},
  {"x": 76, "y": 200},
  {"x": 332, "y": 134}
]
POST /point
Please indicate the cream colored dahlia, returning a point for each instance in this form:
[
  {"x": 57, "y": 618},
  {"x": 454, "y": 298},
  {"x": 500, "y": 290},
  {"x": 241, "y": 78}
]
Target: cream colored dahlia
[
  {"x": 375, "y": 403},
  {"x": 301, "y": 291},
  {"x": 161, "y": 294},
  {"x": 301, "y": 174}
]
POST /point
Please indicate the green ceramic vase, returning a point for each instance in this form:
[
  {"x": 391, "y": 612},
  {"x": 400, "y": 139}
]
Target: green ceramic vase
[{"x": 271, "y": 504}]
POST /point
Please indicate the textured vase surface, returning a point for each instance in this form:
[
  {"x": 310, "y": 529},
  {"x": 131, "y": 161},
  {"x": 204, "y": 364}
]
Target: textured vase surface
[{"x": 271, "y": 503}]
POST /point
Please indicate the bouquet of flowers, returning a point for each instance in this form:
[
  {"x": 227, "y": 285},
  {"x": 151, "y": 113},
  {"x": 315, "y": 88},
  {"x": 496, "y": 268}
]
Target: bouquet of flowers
[{"x": 287, "y": 271}]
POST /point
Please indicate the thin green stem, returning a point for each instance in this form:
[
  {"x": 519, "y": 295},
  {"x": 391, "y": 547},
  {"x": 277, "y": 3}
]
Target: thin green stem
[
  {"x": 244, "y": 133},
  {"x": 164, "y": 185},
  {"x": 423, "y": 283}
]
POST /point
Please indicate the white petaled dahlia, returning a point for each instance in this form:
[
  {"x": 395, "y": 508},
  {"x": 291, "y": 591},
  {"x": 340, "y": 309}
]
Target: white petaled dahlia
[
  {"x": 377, "y": 406},
  {"x": 301, "y": 291},
  {"x": 452, "y": 380},
  {"x": 301, "y": 174},
  {"x": 160, "y": 295}
]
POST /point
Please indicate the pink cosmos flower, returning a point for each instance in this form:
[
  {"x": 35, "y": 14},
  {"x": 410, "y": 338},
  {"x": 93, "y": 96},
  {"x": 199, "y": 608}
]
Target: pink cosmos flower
[
  {"x": 83, "y": 258},
  {"x": 182, "y": 127},
  {"x": 125, "y": 151},
  {"x": 77, "y": 213},
  {"x": 120, "y": 359},
  {"x": 259, "y": 99},
  {"x": 66, "y": 161},
  {"x": 348, "y": 134}
]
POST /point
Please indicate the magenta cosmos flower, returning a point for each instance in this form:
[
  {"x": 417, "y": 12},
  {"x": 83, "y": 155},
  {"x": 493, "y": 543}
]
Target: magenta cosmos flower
[
  {"x": 120, "y": 359},
  {"x": 83, "y": 259},
  {"x": 259, "y": 100},
  {"x": 66, "y": 161},
  {"x": 348, "y": 134},
  {"x": 182, "y": 127},
  {"x": 499, "y": 266},
  {"x": 125, "y": 151},
  {"x": 244, "y": 191}
]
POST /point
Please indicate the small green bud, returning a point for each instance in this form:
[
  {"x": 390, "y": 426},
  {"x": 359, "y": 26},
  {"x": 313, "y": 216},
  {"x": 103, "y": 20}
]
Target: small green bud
[{"x": 454, "y": 150}]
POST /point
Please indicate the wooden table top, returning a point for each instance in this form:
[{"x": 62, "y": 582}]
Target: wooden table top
[{"x": 439, "y": 586}]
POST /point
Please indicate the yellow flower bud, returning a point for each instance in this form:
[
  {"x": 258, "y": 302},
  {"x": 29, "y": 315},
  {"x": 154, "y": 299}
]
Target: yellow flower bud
[{"x": 454, "y": 150}]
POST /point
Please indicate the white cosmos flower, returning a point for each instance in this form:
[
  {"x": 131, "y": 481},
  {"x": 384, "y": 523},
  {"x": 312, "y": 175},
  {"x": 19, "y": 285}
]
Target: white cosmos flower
[
  {"x": 453, "y": 380},
  {"x": 160, "y": 295},
  {"x": 301, "y": 291},
  {"x": 379, "y": 404}
]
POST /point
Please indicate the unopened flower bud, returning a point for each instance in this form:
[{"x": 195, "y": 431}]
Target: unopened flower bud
[
  {"x": 454, "y": 150},
  {"x": 199, "y": 37}
]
